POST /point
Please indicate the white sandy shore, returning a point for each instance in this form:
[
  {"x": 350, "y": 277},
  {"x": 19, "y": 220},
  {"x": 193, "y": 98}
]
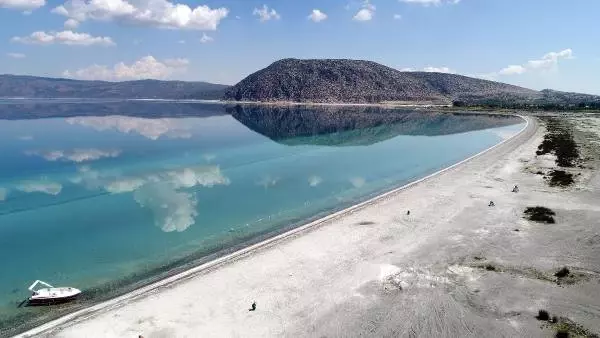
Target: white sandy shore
[{"x": 375, "y": 271}]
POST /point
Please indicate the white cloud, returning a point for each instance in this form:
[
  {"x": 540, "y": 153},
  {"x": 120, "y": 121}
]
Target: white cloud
[
  {"x": 431, "y": 2},
  {"x": 512, "y": 69},
  {"x": 182, "y": 42},
  {"x": 76, "y": 155},
  {"x": 397, "y": 17},
  {"x": 268, "y": 181},
  {"x": 172, "y": 210},
  {"x": 65, "y": 37},
  {"x": 150, "y": 128},
  {"x": 431, "y": 69},
  {"x": 550, "y": 59},
  {"x": 3, "y": 194},
  {"x": 206, "y": 176},
  {"x": 16, "y": 55},
  {"x": 265, "y": 14},
  {"x": 145, "y": 68},
  {"x": 357, "y": 182},
  {"x": 42, "y": 186},
  {"x": 177, "y": 63},
  {"x": 26, "y": 5},
  {"x": 206, "y": 39},
  {"x": 185, "y": 178},
  {"x": 124, "y": 185},
  {"x": 154, "y": 13},
  {"x": 317, "y": 15},
  {"x": 366, "y": 13},
  {"x": 209, "y": 157},
  {"x": 314, "y": 181},
  {"x": 547, "y": 62},
  {"x": 71, "y": 24}
]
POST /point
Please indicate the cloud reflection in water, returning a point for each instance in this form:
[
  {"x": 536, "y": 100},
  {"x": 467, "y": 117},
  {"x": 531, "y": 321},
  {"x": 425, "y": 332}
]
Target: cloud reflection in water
[
  {"x": 150, "y": 128},
  {"x": 163, "y": 193}
]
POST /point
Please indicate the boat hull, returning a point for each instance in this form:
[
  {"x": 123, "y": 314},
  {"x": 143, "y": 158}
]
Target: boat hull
[{"x": 50, "y": 301}]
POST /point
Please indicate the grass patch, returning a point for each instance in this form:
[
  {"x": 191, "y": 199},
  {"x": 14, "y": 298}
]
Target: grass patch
[
  {"x": 560, "y": 178},
  {"x": 540, "y": 215}
]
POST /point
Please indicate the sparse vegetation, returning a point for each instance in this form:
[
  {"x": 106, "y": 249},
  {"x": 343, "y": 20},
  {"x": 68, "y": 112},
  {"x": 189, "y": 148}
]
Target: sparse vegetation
[
  {"x": 540, "y": 215},
  {"x": 560, "y": 178},
  {"x": 564, "y": 276},
  {"x": 366, "y": 223},
  {"x": 490, "y": 267},
  {"x": 559, "y": 141},
  {"x": 543, "y": 315},
  {"x": 564, "y": 327},
  {"x": 564, "y": 272}
]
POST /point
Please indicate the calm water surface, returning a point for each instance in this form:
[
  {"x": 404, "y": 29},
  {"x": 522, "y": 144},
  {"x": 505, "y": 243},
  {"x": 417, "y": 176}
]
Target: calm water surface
[{"x": 100, "y": 197}]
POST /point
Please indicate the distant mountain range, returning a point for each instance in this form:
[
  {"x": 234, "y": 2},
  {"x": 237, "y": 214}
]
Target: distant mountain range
[
  {"x": 356, "y": 81},
  {"x": 312, "y": 81},
  {"x": 42, "y": 87}
]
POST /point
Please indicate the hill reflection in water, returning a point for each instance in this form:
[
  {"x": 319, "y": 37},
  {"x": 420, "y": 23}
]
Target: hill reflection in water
[{"x": 352, "y": 126}]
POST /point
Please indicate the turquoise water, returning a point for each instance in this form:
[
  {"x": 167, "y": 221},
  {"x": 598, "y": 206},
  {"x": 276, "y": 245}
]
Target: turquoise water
[{"x": 104, "y": 202}]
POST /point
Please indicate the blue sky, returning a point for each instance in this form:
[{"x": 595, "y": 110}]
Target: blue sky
[{"x": 533, "y": 43}]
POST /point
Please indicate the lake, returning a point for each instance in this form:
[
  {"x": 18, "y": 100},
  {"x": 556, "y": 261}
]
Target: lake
[{"x": 107, "y": 196}]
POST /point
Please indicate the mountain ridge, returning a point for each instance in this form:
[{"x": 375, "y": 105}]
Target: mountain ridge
[
  {"x": 361, "y": 81},
  {"x": 46, "y": 87},
  {"x": 342, "y": 81}
]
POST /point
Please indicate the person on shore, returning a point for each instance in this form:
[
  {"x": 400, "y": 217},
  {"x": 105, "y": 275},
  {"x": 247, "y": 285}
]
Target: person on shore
[
  {"x": 408, "y": 213},
  {"x": 253, "y": 307},
  {"x": 492, "y": 204},
  {"x": 516, "y": 188}
]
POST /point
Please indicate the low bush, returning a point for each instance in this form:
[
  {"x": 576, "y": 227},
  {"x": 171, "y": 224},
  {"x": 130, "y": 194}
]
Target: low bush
[
  {"x": 543, "y": 315},
  {"x": 560, "y": 178},
  {"x": 540, "y": 215},
  {"x": 564, "y": 272},
  {"x": 559, "y": 140}
]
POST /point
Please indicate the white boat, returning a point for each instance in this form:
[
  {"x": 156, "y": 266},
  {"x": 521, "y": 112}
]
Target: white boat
[{"x": 50, "y": 295}]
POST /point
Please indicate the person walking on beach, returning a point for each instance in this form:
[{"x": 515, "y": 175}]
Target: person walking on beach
[
  {"x": 491, "y": 204},
  {"x": 253, "y": 308},
  {"x": 516, "y": 188}
]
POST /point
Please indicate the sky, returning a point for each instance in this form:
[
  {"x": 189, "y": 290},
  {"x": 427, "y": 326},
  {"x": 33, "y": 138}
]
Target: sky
[{"x": 532, "y": 43}]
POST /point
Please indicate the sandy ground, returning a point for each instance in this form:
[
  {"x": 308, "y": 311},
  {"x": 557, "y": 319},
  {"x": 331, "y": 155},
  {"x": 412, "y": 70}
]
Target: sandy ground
[{"x": 380, "y": 272}]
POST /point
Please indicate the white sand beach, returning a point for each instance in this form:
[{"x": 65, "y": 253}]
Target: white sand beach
[{"x": 376, "y": 271}]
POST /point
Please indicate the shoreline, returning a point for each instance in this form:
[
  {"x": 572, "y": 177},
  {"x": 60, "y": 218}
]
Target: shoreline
[{"x": 173, "y": 281}]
